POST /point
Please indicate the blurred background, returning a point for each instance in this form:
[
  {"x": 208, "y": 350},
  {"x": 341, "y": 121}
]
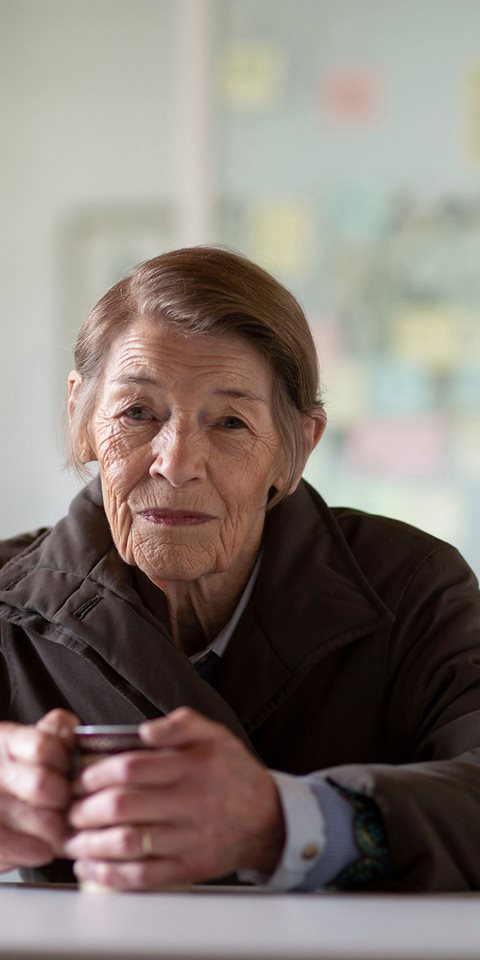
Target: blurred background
[{"x": 336, "y": 142}]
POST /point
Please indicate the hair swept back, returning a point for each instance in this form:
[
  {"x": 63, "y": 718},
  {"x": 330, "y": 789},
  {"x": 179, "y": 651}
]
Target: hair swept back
[{"x": 211, "y": 291}]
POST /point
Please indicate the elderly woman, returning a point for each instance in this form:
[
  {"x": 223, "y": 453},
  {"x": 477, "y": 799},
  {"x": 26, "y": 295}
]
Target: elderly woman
[{"x": 307, "y": 680}]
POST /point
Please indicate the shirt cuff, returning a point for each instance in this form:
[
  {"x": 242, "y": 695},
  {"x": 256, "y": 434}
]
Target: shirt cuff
[
  {"x": 319, "y": 835},
  {"x": 305, "y": 836}
]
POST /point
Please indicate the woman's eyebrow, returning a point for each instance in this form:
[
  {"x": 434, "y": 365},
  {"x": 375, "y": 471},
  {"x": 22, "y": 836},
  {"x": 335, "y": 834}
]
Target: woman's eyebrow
[
  {"x": 143, "y": 378},
  {"x": 237, "y": 394},
  {"x": 230, "y": 392}
]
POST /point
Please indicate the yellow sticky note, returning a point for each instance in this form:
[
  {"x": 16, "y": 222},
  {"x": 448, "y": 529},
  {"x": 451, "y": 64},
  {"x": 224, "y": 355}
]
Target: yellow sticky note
[
  {"x": 432, "y": 335},
  {"x": 253, "y": 73},
  {"x": 281, "y": 235}
]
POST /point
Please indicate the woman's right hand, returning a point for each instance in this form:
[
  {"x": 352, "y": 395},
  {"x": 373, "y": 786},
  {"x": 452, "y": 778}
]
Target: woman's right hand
[{"x": 34, "y": 789}]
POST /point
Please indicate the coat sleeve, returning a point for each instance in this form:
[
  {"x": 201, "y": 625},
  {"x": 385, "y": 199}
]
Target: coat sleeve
[
  {"x": 9, "y": 549},
  {"x": 430, "y": 796}
]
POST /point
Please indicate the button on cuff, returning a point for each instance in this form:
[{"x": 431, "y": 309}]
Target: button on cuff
[{"x": 305, "y": 836}]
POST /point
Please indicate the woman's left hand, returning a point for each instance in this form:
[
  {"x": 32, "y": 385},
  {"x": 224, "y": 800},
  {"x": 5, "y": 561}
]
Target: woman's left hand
[{"x": 194, "y": 807}]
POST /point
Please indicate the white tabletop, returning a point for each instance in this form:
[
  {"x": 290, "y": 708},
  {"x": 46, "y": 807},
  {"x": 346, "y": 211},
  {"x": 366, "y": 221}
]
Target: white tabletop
[{"x": 213, "y": 925}]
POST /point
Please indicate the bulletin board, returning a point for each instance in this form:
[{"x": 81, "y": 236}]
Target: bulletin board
[{"x": 348, "y": 164}]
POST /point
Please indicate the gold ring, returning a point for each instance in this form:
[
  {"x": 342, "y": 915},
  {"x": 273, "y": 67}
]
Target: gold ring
[{"x": 147, "y": 845}]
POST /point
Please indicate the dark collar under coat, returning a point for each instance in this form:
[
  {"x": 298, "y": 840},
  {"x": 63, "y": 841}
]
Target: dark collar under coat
[{"x": 71, "y": 587}]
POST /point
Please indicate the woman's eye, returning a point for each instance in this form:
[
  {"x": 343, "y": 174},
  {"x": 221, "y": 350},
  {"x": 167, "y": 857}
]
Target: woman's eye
[
  {"x": 137, "y": 412},
  {"x": 233, "y": 423}
]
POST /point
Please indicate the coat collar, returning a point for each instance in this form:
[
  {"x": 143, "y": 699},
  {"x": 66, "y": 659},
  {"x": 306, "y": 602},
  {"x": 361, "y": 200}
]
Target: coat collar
[
  {"x": 70, "y": 587},
  {"x": 310, "y": 598}
]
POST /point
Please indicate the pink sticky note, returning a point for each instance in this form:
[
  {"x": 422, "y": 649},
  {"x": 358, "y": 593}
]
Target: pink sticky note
[
  {"x": 403, "y": 447},
  {"x": 351, "y": 94}
]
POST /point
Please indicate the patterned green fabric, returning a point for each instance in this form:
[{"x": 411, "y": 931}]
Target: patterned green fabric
[{"x": 371, "y": 838}]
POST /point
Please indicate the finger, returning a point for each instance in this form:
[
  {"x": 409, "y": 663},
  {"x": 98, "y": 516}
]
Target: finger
[
  {"x": 36, "y": 785},
  {"x": 140, "y": 767},
  {"x": 20, "y": 850},
  {"x": 129, "y": 842},
  {"x": 47, "y": 825},
  {"x": 135, "y": 874},
  {"x": 60, "y": 723},
  {"x": 181, "y": 728},
  {"x": 32, "y": 745},
  {"x": 119, "y": 805}
]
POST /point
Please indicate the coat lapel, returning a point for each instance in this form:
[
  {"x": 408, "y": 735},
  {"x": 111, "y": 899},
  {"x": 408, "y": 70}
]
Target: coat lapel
[
  {"x": 311, "y": 598},
  {"x": 70, "y": 595}
]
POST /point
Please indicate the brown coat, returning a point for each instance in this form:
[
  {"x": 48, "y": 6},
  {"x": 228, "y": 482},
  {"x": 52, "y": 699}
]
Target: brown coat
[{"x": 358, "y": 654}]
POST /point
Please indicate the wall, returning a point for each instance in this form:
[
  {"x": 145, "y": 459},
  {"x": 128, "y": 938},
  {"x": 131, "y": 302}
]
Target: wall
[
  {"x": 336, "y": 141},
  {"x": 90, "y": 95}
]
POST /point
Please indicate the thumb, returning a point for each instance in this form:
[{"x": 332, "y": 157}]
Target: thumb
[{"x": 60, "y": 723}]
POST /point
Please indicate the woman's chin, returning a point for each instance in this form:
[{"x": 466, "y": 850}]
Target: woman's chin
[{"x": 175, "y": 568}]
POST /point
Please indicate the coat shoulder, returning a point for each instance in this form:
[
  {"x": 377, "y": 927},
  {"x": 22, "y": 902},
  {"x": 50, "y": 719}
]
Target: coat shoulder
[
  {"x": 358, "y": 523},
  {"x": 389, "y": 552},
  {"x": 386, "y": 548},
  {"x": 22, "y": 542}
]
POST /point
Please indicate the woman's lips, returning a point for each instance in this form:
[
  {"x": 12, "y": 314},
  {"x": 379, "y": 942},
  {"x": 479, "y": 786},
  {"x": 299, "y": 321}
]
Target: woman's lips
[{"x": 175, "y": 518}]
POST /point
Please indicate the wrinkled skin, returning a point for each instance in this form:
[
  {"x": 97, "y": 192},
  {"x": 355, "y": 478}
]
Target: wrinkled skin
[
  {"x": 35, "y": 790},
  {"x": 186, "y": 425},
  {"x": 205, "y": 805},
  {"x": 188, "y": 451}
]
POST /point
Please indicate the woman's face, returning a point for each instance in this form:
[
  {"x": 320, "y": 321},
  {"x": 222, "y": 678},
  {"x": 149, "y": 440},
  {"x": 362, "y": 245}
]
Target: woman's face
[{"x": 184, "y": 435}]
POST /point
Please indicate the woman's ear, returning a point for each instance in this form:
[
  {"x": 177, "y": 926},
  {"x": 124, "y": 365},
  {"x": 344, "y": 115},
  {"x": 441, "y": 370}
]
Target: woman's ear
[
  {"x": 75, "y": 380},
  {"x": 313, "y": 429}
]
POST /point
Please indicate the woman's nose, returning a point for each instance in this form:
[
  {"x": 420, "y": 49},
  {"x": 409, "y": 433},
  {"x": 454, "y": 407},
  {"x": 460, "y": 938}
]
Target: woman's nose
[{"x": 180, "y": 455}]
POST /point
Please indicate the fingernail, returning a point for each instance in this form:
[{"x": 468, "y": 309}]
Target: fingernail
[{"x": 64, "y": 730}]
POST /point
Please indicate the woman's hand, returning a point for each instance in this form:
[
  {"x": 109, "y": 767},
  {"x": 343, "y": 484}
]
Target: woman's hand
[
  {"x": 34, "y": 789},
  {"x": 197, "y": 806}
]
